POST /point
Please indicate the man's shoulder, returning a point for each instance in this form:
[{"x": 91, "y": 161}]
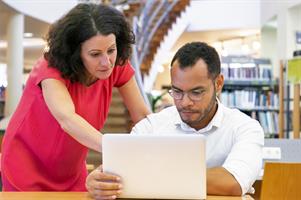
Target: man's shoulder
[
  {"x": 157, "y": 122},
  {"x": 168, "y": 116},
  {"x": 237, "y": 119},
  {"x": 235, "y": 113},
  {"x": 168, "y": 112}
]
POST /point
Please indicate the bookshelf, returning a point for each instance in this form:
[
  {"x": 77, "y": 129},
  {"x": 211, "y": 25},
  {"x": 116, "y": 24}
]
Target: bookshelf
[
  {"x": 249, "y": 87},
  {"x": 289, "y": 95},
  {"x": 2, "y": 101},
  {"x": 3, "y": 83}
]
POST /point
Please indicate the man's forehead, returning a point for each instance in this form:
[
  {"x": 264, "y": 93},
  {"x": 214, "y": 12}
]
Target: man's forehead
[{"x": 197, "y": 87}]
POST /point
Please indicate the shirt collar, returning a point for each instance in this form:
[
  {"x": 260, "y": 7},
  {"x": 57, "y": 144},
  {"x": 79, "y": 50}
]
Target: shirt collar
[{"x": 214, "y": 123}]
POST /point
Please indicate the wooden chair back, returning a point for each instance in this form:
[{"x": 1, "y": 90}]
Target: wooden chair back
[{"x": 281, "y": 181}]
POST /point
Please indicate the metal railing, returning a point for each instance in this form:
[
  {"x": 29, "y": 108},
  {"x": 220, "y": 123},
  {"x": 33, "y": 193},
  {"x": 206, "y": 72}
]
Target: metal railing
[
  {"x": 144, "y": 27},
  {"x": 167, "y": 7}
]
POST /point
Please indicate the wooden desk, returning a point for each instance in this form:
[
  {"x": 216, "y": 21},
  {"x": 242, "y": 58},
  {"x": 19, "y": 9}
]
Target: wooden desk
[{"x": 80, "y": 196}]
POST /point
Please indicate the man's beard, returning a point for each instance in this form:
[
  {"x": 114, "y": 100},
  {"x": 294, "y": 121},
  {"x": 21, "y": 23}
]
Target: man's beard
[{"x": 202, "y": 114}]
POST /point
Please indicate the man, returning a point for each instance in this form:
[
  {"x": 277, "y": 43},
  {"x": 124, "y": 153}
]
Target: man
[{"x": 233, "y": 139}]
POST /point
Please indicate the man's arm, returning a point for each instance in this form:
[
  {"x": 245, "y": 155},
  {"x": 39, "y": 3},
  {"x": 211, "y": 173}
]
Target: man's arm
[
  {"x": 221, "y": 182},
  {"x": 243, "y": 162}
]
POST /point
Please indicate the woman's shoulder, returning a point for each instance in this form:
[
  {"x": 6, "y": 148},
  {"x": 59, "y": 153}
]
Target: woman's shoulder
[
  {"x": 43, "y": 65},
  {"x": 41, "y": 70},
  {"x": 122, "y": 74},
  {"x": 126, "y": 66}
]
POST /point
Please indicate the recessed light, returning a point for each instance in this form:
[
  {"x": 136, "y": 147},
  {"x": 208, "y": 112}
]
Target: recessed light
[{"x": 28, "y": 35}]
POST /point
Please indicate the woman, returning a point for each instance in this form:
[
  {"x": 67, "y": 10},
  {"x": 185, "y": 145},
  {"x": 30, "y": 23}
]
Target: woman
[{"x": 66, "y": 101}]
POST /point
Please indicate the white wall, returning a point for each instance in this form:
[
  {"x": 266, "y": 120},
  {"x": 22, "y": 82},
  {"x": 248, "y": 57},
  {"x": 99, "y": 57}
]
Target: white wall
[
  {"x": 224, "y": 14},
  {"x": 287, "y": 17},
  {"x": 270, "y": 9},
  {"x": 296, "y": 24},
  {"x": 45, "y": 10},
  {"x": 269, "y": 47}
]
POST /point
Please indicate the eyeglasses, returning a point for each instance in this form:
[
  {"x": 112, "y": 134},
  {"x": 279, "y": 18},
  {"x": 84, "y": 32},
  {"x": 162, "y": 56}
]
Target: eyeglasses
[{"x": 193, "y": 95}]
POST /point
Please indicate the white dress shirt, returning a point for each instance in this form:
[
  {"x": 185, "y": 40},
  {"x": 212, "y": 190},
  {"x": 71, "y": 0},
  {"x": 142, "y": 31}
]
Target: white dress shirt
[{"x": 233, "y": 140}]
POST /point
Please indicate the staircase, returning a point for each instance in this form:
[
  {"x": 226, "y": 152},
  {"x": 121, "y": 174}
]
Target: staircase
[
  {"x": 159, "y": 22},
  {"x": 167, "y": 15},
  {"x": 157, "y": 25},
  {"x": 174, "y": 32},
  {"x": 118, "y": 120}
]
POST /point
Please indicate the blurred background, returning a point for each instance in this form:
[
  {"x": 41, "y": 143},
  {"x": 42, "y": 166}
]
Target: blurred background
[{"x": 256, "y": 39}]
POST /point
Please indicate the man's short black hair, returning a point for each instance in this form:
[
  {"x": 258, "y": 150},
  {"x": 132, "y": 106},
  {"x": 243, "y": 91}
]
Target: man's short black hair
[{"x": 190, "y": 53}]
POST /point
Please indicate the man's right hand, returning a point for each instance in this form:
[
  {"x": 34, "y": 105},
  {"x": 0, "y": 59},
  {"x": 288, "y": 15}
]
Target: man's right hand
[{"x": 103, "y": 186}]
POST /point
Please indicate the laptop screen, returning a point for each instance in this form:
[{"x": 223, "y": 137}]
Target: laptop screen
[{"x": 157, "y": 166}]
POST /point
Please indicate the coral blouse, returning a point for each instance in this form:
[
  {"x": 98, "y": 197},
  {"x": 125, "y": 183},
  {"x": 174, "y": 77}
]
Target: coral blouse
[{"x": 37, "y": 154}]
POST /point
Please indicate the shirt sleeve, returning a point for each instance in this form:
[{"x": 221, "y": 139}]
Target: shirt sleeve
[
  {"x": 144, "y": 126},
  {"x": 42, "y": 71},
  {"x": 122, "y": 74},
  {"x": 245, "y": 159}
]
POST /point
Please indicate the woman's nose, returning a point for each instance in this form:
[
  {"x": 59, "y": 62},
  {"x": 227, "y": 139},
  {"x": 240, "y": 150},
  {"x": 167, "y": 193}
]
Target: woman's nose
[{"x": 105, "y": 60}]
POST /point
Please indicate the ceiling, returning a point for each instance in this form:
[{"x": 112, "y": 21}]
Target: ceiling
[
  {"x": 31, "y": 25},
  {"x": 214, "y": 36},
  {"x": 35, "y": 26},
  {"x": 39, "y": 29}
]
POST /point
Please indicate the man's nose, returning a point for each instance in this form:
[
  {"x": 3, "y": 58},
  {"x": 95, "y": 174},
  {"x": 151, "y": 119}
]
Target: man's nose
[{"x": 186, "y": 101}]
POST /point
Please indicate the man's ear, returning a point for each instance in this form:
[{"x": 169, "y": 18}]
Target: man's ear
[{"x": 219, "y": 83}]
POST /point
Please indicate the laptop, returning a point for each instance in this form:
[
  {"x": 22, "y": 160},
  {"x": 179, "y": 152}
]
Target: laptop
[{"x": 157, "y": 166}]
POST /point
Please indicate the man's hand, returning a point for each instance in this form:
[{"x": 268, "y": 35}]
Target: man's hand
[
  {"x": 222, "y": 182},
  {"x": 103, "y": 186}
]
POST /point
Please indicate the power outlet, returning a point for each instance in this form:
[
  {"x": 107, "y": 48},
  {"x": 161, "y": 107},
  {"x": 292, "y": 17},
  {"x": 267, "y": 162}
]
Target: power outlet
[{"x": 271, "y": 153}]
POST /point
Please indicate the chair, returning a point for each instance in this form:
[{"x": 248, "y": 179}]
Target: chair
[
  {"x": 290, "y": 153},
  {"x": 281, "y": 181}
]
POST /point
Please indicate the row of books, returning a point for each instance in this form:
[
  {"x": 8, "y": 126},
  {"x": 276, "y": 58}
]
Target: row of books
[
  {"x": 268, "y": 120},
  {"x": 1, "y": 110},
  {"x": 246, "y": 73},
  {"x": 242, "y": 67},
  {"x": 250, "y": 99},
  {"x": 2, "y": 93}
]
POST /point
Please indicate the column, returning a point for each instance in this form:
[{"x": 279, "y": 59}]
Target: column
[{"x": 15, "y": 53}]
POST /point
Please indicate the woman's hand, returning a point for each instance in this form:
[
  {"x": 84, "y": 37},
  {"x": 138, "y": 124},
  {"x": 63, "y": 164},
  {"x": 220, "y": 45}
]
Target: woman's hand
[{"x": 103, "y": 186}]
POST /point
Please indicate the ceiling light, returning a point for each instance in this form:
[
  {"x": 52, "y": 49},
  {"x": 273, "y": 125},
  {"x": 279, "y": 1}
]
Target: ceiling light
[
  {"x": 245, "y": 48},
  {"x": 34, "y": 42},
  {"x": 160, "y": 69},
  {"x": 28, "y": 35},
  {"x": 224, "y": 52},
  {"x": 3, "y": 44},
  {"x": 28, "y": 42},
  {"x": 256, "y": 45}
]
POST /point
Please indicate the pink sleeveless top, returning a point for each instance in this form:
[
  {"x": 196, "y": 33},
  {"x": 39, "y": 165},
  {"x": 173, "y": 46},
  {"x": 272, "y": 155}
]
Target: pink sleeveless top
[{"x": 36, "y": 153}]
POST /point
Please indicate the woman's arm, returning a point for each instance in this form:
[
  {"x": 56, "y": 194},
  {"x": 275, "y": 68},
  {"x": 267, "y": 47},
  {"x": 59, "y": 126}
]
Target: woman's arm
[
  {"x": 61, "y": 106},
  {"x": 133, "y": 100}
]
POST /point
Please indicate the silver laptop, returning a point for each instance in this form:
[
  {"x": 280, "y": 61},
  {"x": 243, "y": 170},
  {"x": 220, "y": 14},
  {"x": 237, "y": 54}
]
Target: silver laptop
[{"x": 157, "y": 166}]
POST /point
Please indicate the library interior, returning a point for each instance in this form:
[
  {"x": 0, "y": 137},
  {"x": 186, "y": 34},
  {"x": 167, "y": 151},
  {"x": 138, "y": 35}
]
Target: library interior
[{"x": 259, "y": 44}]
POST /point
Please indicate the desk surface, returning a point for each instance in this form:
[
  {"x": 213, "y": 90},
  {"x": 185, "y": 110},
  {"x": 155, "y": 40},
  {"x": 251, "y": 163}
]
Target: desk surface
[{"x": 79, "y": 196}]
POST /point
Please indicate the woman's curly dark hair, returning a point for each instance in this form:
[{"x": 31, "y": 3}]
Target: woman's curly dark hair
[{"x": 80, "y": 24}]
